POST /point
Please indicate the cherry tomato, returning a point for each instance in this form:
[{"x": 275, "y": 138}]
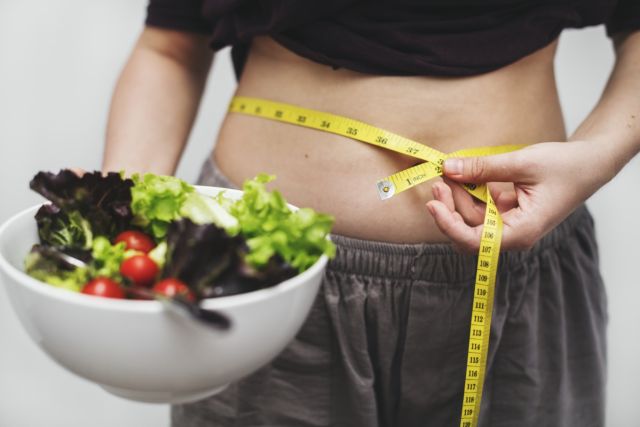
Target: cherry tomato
[
  {"x": 171, "y": 287},
  {"x": 140, "y": 269},
  {"x": 135, "y": 240},
  {"x": 103, "y": 287}
]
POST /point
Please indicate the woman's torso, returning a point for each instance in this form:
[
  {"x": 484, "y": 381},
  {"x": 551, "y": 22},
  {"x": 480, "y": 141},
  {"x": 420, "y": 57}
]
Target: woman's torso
[{"x": 517, "y": 104}]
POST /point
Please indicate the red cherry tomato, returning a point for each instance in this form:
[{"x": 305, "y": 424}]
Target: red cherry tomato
[
  {"x": 171, "y": 287},
  {"x": 103, "y": 287},
  {"x": 135, "y": 240},
  {"x": 140, "y": 269}
]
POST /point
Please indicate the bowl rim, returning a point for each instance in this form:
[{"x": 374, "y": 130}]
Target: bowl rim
[{"x": 77, "y": 298}]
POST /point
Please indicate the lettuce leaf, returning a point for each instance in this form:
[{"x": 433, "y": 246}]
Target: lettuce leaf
[
  {"x": 40, "y": 265},
  {"x": 213, "y": 264},
  {"x": 58, "y": 228},
  {"x": 106, "y": 258},
  {"x": 262, "y": 217},
  {"x": 271, "y": 228},
  {"x": 102, "y": 201},
  {"x": 203, "y": 209},
  {"x": 46, "y": 263},
  {"x": 197, "y": 254},
  {"x": 242, "y": 277},
  {"x": 159, "y": 254},
  {"x": 156, "y": 200}
]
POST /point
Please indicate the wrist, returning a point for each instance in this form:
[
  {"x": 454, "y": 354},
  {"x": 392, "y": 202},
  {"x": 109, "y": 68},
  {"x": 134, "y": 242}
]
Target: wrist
[
  {"x": 615, "y": 140},
  {"x": 603, "y": 151}
]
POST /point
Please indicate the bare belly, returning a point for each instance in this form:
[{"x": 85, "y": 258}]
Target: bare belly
[{"x": 517, "y": 104}]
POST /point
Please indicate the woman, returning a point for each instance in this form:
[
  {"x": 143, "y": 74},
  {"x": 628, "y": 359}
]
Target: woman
[{"x": 386, "y": 341}]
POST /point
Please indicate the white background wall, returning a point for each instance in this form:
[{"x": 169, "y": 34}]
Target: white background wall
[{"x": 58, "y": 64}]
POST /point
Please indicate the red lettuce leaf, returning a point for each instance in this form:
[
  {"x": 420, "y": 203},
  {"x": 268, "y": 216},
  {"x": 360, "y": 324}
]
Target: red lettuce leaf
[
  {"x": 213, "y": 264},
  {"x": 103, "y": 201}
]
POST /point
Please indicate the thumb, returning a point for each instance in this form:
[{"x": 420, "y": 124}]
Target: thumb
[{"x": 498, "y": 168}]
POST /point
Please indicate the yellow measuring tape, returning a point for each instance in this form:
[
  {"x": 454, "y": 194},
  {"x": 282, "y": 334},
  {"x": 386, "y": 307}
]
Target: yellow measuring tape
[{"x": 489, "y": 252}]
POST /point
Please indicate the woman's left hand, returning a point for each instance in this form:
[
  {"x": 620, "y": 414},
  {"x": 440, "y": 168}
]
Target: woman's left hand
[{"x": 549, "y": 181}]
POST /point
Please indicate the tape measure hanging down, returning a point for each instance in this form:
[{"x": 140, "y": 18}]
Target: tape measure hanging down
[{"x": 392, "y": 185}]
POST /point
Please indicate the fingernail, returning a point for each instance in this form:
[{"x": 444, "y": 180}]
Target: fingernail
[
  {"x": 453, "y": 166},
  {"x": 431, "y": 210},
  {"x": 435, "y": 188}
]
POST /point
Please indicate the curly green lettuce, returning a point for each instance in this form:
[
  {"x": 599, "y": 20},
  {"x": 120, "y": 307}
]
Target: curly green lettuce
[
  {"x": 40, "y": 265},
  {"x": 156, "y": 201},
  {"x": 107, "y": 257},
  {"x": 203, "y": 209},
  {"x": 159, "y": 200},
  {"x": 271, "y": 228}
]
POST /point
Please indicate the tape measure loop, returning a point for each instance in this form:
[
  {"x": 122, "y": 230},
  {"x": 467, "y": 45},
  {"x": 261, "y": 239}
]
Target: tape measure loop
[{"x": 488, "y": 254}]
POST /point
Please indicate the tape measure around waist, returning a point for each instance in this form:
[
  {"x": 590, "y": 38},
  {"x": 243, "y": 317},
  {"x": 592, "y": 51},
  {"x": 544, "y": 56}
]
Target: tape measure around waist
[{"x": 488, "y": 255}]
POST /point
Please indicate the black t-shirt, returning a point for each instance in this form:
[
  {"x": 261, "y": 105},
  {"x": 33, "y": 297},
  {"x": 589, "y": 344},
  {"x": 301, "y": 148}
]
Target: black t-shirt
[{"x": 395, "y": 37}]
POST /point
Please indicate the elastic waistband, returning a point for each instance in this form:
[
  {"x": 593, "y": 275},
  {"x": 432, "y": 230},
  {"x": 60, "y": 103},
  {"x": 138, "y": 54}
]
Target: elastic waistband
[
  {"x": 439, "y": 262},
  {"x": 434, "y": 262}
]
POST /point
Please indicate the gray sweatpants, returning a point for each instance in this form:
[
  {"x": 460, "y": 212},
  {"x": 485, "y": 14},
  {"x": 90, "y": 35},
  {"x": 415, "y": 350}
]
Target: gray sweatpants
[{"x": 385, "y": 343}]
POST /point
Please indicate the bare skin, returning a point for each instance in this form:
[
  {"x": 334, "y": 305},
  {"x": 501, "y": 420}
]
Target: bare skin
[
  {"x": 517, "y": 104},
  {"x": 550, "y": 178},
  {"x": 157, "y": 95}
]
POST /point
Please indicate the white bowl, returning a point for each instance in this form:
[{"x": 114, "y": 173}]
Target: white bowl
[{"x": 138, "y": 349}]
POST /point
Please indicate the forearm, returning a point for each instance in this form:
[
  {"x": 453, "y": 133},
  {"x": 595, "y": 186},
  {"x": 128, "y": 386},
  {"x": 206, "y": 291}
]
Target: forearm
[
  {"x": 550, "y": 179},
  {"x": 614, "y": 124},
  {"x": 155, "y": 102}
]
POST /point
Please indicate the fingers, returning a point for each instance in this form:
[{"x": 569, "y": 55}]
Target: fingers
[
  {"x": 471, "y": 209},
  {"x": 505, "y": 197},
  {"x": 519, "y": 234},
  {"x": 442, "y": 193},
  {"x": 522, "y": 229},
  {"x": 505, "y": 200},
  {"x": 464, "y": 237},
  {"x": 461, "y": 218},
  {"x": 78, "y": 171},
  {"x": 508, "y": 167},
  {"x": 462, "y": 205}
]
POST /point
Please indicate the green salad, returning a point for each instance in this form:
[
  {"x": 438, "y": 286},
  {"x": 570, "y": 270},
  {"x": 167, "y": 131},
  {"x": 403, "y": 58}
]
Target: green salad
[{"x": 157, "y": 232}]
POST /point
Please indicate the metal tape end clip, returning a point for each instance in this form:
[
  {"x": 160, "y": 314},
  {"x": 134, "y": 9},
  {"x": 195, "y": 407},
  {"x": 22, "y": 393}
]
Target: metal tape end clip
[{"x": 386, "y": 189}]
